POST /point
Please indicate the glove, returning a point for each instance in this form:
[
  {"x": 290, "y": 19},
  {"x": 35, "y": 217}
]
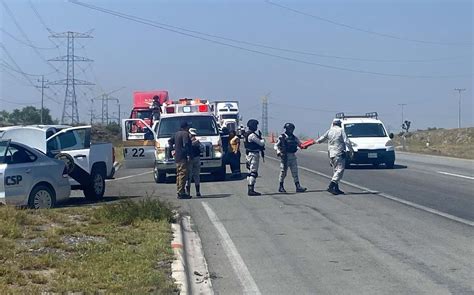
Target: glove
[
  {"x": 351, "y": 155},
  {"x": 278, "y": 154}
]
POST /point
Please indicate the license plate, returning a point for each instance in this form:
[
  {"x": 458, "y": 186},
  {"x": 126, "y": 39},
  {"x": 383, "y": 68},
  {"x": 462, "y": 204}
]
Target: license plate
[{"x": 372, "y": 155}]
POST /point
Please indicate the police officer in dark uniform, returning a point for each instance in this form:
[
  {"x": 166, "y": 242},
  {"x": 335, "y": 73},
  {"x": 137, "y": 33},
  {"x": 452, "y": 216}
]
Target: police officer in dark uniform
[
  {"x": 254, "y": 146},
  {"x": 286, "y": 147}
]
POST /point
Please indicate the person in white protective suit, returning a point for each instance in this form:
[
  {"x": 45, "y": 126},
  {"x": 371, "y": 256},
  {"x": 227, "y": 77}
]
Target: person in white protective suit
[{"x": 338, "y": 143}]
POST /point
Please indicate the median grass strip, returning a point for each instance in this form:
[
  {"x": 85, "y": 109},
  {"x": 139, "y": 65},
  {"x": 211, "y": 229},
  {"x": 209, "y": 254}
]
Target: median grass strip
[{"x": 113, "y": 248}]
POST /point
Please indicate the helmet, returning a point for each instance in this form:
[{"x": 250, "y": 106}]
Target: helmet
[
  {"x": 252, "y": 124},
  {"x": 336, "y": 122},
  {"x": 289, "y": 126}
]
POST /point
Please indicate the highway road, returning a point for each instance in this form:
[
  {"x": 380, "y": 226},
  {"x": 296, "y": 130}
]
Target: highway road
[{"x": 407, "y": 230}]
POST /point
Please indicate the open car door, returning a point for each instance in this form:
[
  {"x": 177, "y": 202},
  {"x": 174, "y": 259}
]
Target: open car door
[{"x": 138, "y": 144}]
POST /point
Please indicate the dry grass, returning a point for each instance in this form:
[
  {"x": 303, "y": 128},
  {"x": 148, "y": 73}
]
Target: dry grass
[
  {"x": 111, "y": 249},
  {"x": 446, "y": 142}
]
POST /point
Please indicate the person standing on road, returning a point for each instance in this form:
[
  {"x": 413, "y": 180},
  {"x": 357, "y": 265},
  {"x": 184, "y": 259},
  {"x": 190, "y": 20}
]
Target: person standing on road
[
  {"x": 181, "y": 142},
  {"x": 234, "y": 152},
  {"x": 338, "y": 143},
  {"x": 194, "y": 164},
  {"x": 254, "y": 146},
  {"x": 286, "y": 147}
]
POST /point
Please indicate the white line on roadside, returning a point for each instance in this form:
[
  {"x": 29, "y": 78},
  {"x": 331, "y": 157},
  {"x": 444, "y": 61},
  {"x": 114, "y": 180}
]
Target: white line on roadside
[
  {"x": 130, "y": 176},
  {"x": 390, "y": 197},
  {"x": 246, "y": 280},
  {"x": 456, "y": 175}
]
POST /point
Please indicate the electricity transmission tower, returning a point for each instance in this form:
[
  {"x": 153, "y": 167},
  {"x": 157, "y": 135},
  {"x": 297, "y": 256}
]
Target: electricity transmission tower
[
  {"x": 265, "y": 114},
  {"x": 70, "y": 111}
]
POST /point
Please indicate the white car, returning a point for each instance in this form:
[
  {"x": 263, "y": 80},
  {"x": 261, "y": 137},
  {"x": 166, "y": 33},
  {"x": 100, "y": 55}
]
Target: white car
[
  {"x": 370, "y": 140},
  {"x": 88, "y": 164},
  {"x": 30, "y": 178}
]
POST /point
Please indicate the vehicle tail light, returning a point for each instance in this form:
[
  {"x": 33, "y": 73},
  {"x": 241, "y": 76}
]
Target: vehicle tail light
[
  {"x": 113, "y": 155},
  {"x": 203, "y": 108}
]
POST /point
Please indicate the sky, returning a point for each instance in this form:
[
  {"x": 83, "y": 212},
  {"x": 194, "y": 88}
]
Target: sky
[{"x": 364, "y": 56}]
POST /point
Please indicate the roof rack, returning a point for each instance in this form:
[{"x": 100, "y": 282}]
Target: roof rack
[{"x": 373, "y": 115}]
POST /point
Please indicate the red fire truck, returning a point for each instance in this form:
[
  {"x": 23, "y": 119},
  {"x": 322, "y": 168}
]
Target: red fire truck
[{"x": 147, "y": 106}]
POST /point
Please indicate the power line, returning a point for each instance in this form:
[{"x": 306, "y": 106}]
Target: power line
[
  {"x": 8, "y": 66},
  {"x": 19, "y": 103},
  {"x": 150, "y": 23},
  {"x": 366, "y": 30},
  {"x": 19, "y": 70},
  {"x": 25, "y": 36},
  {"x": 24, "y": 43},
  {"x": 302, "y": 52}
]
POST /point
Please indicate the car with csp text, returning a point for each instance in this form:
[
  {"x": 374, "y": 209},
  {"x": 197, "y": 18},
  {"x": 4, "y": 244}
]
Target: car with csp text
[
  {"x": 88, "y": 163},
  {"x": 30, "y": 178}
]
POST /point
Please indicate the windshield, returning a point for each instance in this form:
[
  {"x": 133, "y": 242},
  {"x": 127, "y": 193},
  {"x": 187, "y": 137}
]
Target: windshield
[
  {"x": 143, "y": 115},
  {"x": 365, "y": 130},
  {"x": 205, "y": 125},
  {"x": 229, "y": 117}
]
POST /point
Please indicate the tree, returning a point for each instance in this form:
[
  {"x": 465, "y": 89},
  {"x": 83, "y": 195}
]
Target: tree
[{"x": 27, "y": 116}]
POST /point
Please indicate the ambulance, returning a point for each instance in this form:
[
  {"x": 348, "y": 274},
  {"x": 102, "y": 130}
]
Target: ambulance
[{"x": 151, "y": 148}]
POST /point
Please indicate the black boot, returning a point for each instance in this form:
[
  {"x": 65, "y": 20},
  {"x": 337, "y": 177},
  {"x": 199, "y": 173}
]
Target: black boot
[
  {"x": 188, "y": 190},
  {"x": 281, "y": 189},
  {"x": 252, "y": 192},
  {"x": 338, "y": 191},
  {"x": 332, "y": 188},
  {"x": 198, "y": 190},
  {"x": 299, "y": 188}
]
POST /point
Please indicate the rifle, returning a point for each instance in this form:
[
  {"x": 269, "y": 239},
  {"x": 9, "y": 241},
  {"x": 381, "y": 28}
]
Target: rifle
[{"x": 262, "y": 151}]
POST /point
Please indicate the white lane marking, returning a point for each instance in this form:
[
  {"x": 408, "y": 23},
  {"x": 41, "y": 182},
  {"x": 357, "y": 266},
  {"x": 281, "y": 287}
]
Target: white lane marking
[
  {"x": 130, "y": 176},
  {"x": 390, "y": 197},
  {"x": 246, "y": 280},
  {"x": 456, "y": 175}
]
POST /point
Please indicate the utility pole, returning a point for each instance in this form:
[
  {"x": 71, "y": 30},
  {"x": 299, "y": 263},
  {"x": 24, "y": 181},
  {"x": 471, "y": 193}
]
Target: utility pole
[
  {"x": 42, "y": 96},
  {"x": 265, "y": 114},
  {"x": 459, "y": 111},
  {"x": 70, "y": 109},
  {"x": 402, "y": 105}
]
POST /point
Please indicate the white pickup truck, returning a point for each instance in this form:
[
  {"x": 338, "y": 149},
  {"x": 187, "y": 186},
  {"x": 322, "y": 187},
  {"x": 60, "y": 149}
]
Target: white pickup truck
[{"x": 88, "y": 164}]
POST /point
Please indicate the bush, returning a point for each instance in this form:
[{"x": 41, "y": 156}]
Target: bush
[{"x": 128, "y": 211}]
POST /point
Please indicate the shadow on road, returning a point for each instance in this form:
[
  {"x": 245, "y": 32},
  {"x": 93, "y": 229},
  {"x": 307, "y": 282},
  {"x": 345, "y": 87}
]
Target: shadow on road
[
  {"x": 373, "y": 167},
  {"x": 214, "y": 196}
]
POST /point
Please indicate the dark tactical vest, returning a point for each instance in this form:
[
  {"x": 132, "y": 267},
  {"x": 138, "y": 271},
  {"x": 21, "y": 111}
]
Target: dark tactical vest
[
  {"x": 251, "y": 146},
  {"x": 289, "y": 144}
]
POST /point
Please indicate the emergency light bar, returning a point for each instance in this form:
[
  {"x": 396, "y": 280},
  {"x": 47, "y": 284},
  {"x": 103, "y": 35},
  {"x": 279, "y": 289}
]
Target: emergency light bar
[{"x": 373, "y": 115}]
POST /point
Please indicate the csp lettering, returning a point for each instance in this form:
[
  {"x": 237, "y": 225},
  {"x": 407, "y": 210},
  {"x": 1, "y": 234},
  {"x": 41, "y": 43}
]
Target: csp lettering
[{"x": 13, "y": 180}]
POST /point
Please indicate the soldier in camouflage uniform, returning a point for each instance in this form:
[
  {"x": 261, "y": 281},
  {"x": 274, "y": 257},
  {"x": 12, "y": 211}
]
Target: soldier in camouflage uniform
[
  {"x": 254, "y": 146},
  {"x": 286, "y": 148}
]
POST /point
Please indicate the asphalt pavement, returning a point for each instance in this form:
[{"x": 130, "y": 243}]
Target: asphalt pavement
[{"x": 315, "y": 243}]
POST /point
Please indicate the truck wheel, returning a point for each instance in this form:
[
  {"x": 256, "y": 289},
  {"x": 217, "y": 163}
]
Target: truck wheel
[
  {"x": 41, "y": 197},
  {"x": 96, "y": 188},
  {"x": 159, "y": 176},
  {"x": 219, "y": 175}
]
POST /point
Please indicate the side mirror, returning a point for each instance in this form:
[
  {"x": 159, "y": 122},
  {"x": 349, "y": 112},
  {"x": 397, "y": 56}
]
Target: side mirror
[{"x": 390, "y": 135}]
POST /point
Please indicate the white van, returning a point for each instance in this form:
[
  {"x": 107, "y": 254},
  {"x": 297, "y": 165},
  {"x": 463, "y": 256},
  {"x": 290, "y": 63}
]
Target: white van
[{"x": 370, "y": 140}]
